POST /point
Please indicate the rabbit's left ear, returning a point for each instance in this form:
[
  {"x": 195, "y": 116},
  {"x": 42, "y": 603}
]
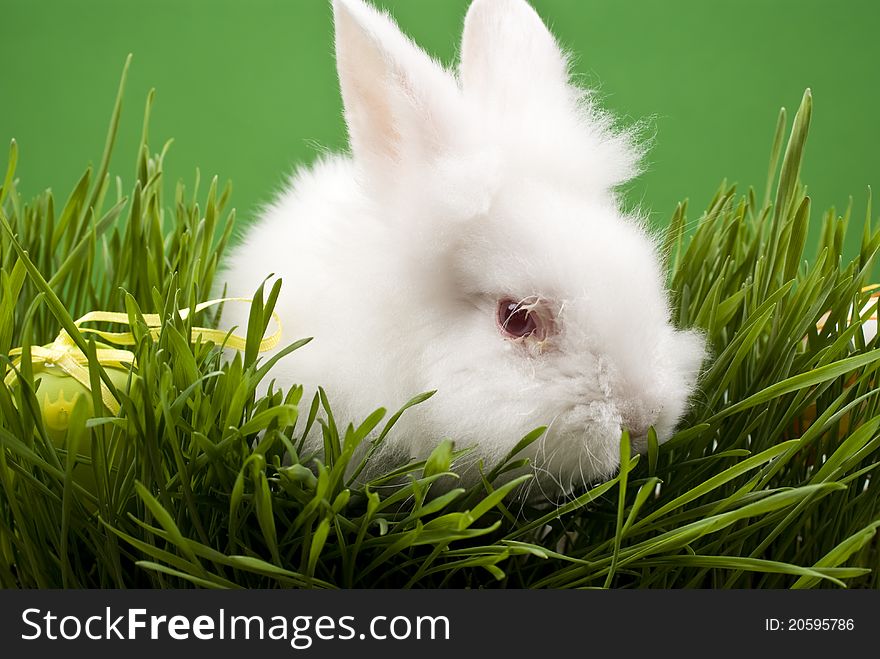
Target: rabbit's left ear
[
  {"x": 398, "y": 101},
  {"x": 508, "y": 55}
]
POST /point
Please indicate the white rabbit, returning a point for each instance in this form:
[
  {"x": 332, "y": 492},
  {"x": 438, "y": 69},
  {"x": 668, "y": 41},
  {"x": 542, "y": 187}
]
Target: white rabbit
[{"x": 472, "y": 243}]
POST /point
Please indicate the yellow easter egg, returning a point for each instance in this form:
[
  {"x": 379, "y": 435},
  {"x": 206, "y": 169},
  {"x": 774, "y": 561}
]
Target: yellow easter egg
[{"x": 58, "y": 394}]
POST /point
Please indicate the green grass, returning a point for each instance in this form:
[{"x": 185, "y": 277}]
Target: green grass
[{"x": 200, "y": 481}]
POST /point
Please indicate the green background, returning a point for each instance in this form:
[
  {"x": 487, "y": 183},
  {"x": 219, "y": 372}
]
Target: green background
[{"x": 248, "y": 89}]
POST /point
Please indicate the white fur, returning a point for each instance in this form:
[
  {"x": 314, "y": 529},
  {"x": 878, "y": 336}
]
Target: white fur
[{"x": 463, "y": 189}]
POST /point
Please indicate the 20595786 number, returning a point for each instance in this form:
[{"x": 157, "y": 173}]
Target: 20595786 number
[{"x": 820, "y": 624}]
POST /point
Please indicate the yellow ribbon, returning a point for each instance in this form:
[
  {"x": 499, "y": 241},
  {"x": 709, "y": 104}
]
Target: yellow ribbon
[{"x": 63, "y": 353}]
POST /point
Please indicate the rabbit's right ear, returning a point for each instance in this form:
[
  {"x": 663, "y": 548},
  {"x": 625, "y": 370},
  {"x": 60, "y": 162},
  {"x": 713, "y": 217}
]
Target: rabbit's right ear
[
  {"x": 508, "y": 56},
  {"x": 399, "y": 103}
]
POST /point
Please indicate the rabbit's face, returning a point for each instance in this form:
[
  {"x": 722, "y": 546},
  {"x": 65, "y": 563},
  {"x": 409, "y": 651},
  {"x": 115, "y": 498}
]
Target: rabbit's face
[{"x": 548, "y": 307}]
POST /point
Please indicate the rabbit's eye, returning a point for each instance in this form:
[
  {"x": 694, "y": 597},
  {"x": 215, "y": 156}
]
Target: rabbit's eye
[{"x": 518, "y": 320}]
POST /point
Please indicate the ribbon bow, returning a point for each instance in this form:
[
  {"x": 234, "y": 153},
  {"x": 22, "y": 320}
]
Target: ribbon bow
[{"x": 63, "y": 353}]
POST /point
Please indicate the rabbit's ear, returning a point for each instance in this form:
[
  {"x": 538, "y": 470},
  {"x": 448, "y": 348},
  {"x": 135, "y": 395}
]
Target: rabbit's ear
[
  {"x": 398, "y": 101},
  {"x": 508, "y": 55}
]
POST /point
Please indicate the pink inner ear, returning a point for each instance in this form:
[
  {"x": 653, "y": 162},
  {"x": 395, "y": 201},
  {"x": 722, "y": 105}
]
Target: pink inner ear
[{"x": 396, "y": 97}]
